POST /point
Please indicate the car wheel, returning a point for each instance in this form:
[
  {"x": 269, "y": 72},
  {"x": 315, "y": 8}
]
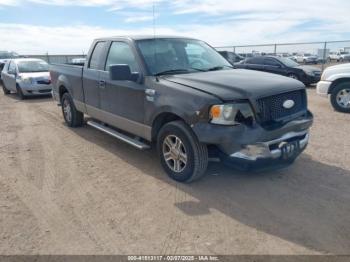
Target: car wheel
[
  {"x": 341, "y": 60},
  {"x": 20, "y": 92},
  {"x": 294, "y": 76},
  {"x": 182, "y": 156},
  {"x": 71, "y": 115},
  {"x": 6, "y": 91},
  {"x": 340, "y": 97}
]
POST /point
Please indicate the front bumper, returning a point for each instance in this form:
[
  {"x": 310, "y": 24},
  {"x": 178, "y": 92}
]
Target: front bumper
[
  {"x": 323, "y": 88},
  {"x": 311, "y": 79},
  {"x": 271, "y": 149},
  {"x": 36, "y": 89},
  {"x": 255, "y": 143}
]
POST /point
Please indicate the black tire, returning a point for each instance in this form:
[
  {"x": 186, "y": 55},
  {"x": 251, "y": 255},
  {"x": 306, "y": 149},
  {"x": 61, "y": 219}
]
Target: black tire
[
  {"x": 196, "y": 152},
  {"x": 72, "y": 116},
  {"x": 334, "y": 94},
  {"x": 6, "y": 91},
  {"x": 20, "y": 92},
  {"x": 294, "y": 76}
]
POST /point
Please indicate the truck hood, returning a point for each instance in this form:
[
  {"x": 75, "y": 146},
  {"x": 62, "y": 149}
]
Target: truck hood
[{"x": 237, "y": 83}]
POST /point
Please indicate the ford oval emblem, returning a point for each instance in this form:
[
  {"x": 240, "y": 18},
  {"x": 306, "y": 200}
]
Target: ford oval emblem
[{"x": 288, "y": 104}]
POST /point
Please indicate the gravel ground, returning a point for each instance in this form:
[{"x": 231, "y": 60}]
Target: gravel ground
[{"x": 79, "y": 191}]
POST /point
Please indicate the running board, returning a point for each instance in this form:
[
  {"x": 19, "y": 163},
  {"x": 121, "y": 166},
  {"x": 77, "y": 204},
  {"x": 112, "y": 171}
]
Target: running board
[{"x": 131, "y": 141}]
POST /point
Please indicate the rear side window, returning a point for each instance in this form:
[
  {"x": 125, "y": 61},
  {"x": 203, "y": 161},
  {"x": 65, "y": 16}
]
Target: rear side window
[
  {"x": 120, "y": 53},
  {"x": 96, "y": 56}
]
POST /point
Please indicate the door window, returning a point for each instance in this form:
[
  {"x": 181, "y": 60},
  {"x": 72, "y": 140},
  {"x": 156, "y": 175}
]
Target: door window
[
  {"x": 255, "y": 61},
  {"x": 95, "y": 60},
  {"x": 120, "y": 53},
  {"x": 271, "y": 62},
  {"x": 12, "y": 68}
]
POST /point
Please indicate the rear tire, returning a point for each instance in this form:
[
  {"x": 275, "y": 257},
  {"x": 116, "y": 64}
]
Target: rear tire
[
  {"x": 6, "y": 92},
  {"x": 71, "y": 115},
  {"x": 182, "y": 156},
  {"x": 339, "y": 95},
  {"x": 20, "y": 92}
]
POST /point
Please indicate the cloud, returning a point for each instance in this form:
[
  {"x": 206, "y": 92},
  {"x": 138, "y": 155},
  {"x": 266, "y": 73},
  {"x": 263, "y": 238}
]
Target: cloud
[{"x": 220, "y": 23}]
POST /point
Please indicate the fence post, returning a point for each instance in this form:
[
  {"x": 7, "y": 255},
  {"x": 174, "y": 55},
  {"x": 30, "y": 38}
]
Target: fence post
[
  {"x": 275, "y": 50},
  {"x": 48, "y": 57},
  {"x": 324, "y": 55}
]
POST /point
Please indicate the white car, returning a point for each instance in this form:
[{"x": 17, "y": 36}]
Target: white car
[
  {"x": 26, "y": 77},
  {"x": 306, "y": 58},
  {"x": 335, "y": 82},
  {"x": 339, "y": 56}
]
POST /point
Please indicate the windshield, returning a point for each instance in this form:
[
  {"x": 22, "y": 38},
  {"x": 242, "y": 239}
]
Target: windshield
[
  {"x": 32, "y": 66},
  {"x": 344, "y": 53},
  {"x": 180, "y": 56},
  {"x": 288, "y": 62}
]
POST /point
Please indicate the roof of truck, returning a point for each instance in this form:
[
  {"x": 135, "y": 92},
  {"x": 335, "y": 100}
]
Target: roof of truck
[{"x": 143, "y": 37}]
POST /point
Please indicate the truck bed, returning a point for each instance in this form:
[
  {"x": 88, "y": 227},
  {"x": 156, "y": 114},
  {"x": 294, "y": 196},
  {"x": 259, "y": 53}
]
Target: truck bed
[{"x": 69, "y": 76}]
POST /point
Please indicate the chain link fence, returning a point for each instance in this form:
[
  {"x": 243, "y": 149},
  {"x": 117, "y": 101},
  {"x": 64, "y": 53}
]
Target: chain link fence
[
  {"x": 322, "y": 53},
  {"x": 57, "y": 59}
]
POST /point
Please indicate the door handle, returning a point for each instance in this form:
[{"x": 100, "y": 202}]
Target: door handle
[
  {"x": 102, "y": 84},
  {"x": 150, "y": 92}
]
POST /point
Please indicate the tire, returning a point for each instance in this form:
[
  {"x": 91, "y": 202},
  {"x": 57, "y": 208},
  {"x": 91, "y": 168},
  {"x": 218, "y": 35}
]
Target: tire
[
  {"x": 188, "y": 145},
  {"x": 71, "y": 115},
  {"x": 20, "y": 92},
  {"x": 294, "y": 76},
  {"x": 6, "y": 92},
  {"x": 339, "y": 91}
]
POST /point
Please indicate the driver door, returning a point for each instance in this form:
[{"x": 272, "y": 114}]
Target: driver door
[
  {"x": 123, "y": 102},
  {"x": 9, "y": 76}
]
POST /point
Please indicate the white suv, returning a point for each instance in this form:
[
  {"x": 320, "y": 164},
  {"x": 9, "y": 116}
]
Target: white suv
[{"x": 335, "y": 82}]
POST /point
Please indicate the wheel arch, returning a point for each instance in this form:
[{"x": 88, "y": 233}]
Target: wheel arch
[
  {"x": 337, "y": 82},
  {"x": 161, "y": 119}
]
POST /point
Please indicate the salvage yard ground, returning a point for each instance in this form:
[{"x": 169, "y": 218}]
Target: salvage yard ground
[{"x": 79, "y": 191}]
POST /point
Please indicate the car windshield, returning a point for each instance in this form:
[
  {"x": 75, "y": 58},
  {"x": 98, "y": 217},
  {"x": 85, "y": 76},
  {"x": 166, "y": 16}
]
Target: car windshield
[
  {"x": 288, "y": 62},
  {"x": 344, "y": 53},
  {"x": 307, "y": 54},
  {"x": 177, "y": 55},
  {"x": 32, "y": 66}
]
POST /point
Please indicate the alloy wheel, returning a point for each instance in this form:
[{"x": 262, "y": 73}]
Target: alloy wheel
[{"x": 174, "y": 153}]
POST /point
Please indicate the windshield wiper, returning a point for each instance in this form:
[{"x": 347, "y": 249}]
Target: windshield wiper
[
  {"x": 180, "y": 70},
  {"x": 216, "y": 68}
]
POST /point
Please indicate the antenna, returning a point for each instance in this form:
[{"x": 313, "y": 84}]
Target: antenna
[{"x": 154, "y": 18}]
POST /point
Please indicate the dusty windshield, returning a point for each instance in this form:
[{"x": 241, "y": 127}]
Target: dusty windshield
[
  {"x": 180, "y": 56},
  {"x": 32, "y": 66}
]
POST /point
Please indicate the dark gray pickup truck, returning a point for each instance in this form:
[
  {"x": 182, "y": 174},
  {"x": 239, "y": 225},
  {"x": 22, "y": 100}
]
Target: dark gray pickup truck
[{"x": 184, "y": 97}]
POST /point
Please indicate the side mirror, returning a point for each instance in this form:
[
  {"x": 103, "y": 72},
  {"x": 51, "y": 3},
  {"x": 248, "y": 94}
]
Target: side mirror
[{"x": 121, "y": 73}]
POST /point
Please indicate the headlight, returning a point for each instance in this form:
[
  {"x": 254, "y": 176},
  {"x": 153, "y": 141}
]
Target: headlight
[
  {"x": 25, "y": 80},
  {"x": 231, "y": 114},
  {"x": 310, "y": 73}
]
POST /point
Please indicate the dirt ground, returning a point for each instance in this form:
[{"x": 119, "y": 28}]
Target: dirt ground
[{"x": 79, "y": 191}]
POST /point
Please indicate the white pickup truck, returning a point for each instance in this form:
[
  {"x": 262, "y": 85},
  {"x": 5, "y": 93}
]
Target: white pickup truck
[
  {"x": 335, "y": 82},
  {"x": 339, "y": 56}
]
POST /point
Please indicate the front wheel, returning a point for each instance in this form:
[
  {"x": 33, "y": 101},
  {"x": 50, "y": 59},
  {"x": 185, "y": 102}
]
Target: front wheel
[
  {"x": 71, "y": 115},
  {"x": 6, "y": 92},
  {"x": 294, "y": 76},
  {"x": 20, "y": 92},
  {"x": 340, "y": 97},
  {"x": 182, "y": 156}
]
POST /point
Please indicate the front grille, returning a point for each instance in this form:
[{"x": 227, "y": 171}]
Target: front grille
[
  {"x": 45, "y": 91},
  {"x": 44, "y": 82},
  {"x": 271, "y": 108}
]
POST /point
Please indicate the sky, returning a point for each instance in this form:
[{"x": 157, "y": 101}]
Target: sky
[{"x": 69, "y": 26}]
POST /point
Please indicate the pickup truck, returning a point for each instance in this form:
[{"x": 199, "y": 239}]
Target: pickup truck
[
  {"x": 335, "y": 83},
  {"x": 340, "y": 56},
  {"x": 182, "y": 96}
]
